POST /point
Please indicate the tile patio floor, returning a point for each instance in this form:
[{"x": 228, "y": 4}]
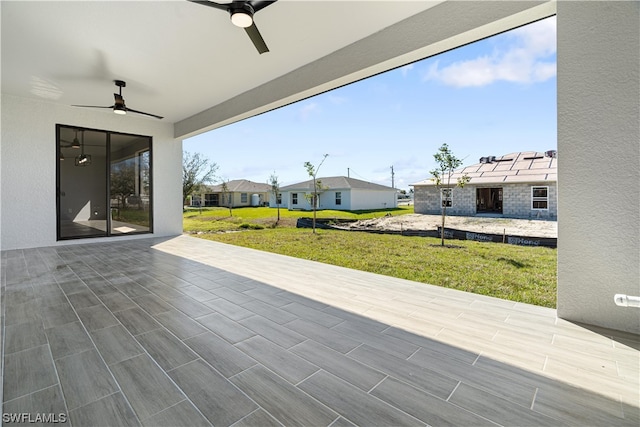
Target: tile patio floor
[{"x": 182, "y": 331}]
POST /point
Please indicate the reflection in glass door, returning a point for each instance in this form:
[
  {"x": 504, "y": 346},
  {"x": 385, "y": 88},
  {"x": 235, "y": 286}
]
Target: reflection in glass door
[
  {"x": 82, "y": 183},
  {"x": 104, "y": 183},
  {"x": 130, "y": 184}
]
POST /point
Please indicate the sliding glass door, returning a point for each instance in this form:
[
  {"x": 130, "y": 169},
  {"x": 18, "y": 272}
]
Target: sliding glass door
[{"x": 104, "y": 183}]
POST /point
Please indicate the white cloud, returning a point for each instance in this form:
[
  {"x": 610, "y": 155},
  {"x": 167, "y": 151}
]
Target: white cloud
[
  {"x": 524, "y": 58},
  {"x": 306, "y": 110},
  {"x": 405, "y": 70}
]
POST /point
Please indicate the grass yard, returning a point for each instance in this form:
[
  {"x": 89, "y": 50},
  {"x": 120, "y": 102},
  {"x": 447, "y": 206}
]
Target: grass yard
[
  {"x": 517, "y": 273},
  {"x": 217, "y": 219}
]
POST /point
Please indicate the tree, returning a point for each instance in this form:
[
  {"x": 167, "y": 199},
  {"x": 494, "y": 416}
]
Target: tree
[
  {"x": 123, "y": 181},
  {"x": 275, "y": 190},
  {"x": 226, "y": 195},
  {"x": 197, "y": 171},
  {"x": 447, "y": 163},
  {"x": 317, "y": 185}
]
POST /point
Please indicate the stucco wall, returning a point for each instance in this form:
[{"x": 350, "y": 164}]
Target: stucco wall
[
  {"x": 598, "y": 116},
  {"x": 28, "y": 168},
  {"x": 373, "y": 199},
  {"x": 351, "y": 200}
]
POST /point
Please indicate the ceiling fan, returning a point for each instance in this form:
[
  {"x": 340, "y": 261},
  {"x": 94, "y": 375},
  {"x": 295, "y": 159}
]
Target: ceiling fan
[
  {"x": 119, "y": 107},
  {"x": 70, "y": 144},
  {"x": 242, "y": 16}
]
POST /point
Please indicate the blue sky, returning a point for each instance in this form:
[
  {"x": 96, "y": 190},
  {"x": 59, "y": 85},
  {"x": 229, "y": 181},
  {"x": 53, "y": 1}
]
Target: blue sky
[{"x": 492, "y": 97}]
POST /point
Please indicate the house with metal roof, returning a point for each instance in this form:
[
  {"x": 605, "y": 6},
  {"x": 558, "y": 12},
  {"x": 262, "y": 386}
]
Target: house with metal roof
[
  {"x": 516, "y": 185},
  {"x": 237, "y": 193},
  {"x": 339, "y": 193}
]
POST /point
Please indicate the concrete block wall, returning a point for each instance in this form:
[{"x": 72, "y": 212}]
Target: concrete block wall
[
  {"x": 426, "y": 200},
  {"x": 516, "y": 201}
]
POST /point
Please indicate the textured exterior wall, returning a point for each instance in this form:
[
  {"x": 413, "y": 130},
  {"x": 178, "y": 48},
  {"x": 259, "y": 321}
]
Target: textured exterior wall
[
  {"x": 372, "y": 199},
  {"x": 516, "y": 201},
  {"x": 28, "y": 169},
  {"x": 351, "y": 200},
  {"x": 598, "y": 116}
]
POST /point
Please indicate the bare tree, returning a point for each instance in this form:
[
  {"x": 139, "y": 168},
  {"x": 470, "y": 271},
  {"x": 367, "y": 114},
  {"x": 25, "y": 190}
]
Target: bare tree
[
  {"x": 447, "y": 163},
  {"x": 197, "y": 171},
  {"x": 317, "y": 185},
  {"x": 275, "y": 190}
]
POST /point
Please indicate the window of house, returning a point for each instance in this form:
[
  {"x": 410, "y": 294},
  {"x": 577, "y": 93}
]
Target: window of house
[
  {"x": 211, "y": 199},
  {"x": 446, "y": 197},
  {"x": 279, "y": 198},
  {"x": 338, "y": 198},
  {"x": 243, "y": 197},
  {"x": 540, "y": 198},
  {"x": 294, "y": 198}
]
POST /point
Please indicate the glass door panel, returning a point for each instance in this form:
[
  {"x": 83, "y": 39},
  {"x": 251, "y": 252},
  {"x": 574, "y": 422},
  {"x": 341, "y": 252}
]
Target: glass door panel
[
  {"x": 130, "y": 184},
  {"x": 103, "y": 183},
  {"x": 82, "y": 190}
]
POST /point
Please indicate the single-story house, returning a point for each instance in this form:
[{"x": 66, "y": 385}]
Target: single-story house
[
  {"x": 239, "y": 193},
  {"x": 337, "y": 192},
  {"x": 516, "y": 185}
]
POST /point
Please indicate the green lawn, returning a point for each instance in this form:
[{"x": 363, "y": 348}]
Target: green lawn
[
  {"x": 218, "y": 219},
  {"x": 517, "y": 273}
]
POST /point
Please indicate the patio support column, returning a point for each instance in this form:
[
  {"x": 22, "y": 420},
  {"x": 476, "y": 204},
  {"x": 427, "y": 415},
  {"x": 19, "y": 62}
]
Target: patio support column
[{"x": 599, "y": 161}]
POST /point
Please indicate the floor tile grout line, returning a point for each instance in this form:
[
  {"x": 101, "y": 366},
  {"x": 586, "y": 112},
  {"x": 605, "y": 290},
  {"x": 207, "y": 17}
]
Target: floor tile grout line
[
  {"x": 95, "y": 347},
  {"x": 533, "y": 400},
  {"x": 378, "y": 383},
  {"x": 453, "y": 391}
]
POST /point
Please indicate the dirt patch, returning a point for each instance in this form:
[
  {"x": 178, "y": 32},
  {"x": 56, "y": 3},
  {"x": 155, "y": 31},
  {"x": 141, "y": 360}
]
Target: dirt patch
[{"x": 512, "y": 227}]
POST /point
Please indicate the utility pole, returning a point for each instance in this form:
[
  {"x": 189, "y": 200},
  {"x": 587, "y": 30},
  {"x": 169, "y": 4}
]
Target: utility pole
[
  {"x": 348, "y": 176},
  {"x": 393, "y": 185}
]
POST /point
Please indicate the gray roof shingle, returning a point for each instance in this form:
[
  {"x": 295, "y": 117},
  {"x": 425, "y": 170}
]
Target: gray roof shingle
[
  {"x": 337, "y": 183},
  {"x": 240, "y": 186}
]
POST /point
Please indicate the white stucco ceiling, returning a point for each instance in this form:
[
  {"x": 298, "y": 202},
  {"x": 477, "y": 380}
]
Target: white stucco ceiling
[{"x": 189, "y": 64}]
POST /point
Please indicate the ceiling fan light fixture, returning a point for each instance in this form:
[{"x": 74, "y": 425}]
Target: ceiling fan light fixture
[
  {"x": 241, "y": 19},
  {"x": 119, "y": 109}
]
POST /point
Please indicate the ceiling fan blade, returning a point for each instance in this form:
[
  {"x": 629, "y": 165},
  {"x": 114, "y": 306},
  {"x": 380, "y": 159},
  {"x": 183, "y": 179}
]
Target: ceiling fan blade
[
  {"x": 143, "y": 113},
  {"x": 256, "y": 38},
  {"x": 212, "y": 4},
  {"x": 91, "y": 106},
  {"x": 261, "y": 4}
]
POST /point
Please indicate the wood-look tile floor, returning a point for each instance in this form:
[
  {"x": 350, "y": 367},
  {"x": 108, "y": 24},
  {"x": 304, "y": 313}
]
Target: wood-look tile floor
[{"x": 183, "y": 331}]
